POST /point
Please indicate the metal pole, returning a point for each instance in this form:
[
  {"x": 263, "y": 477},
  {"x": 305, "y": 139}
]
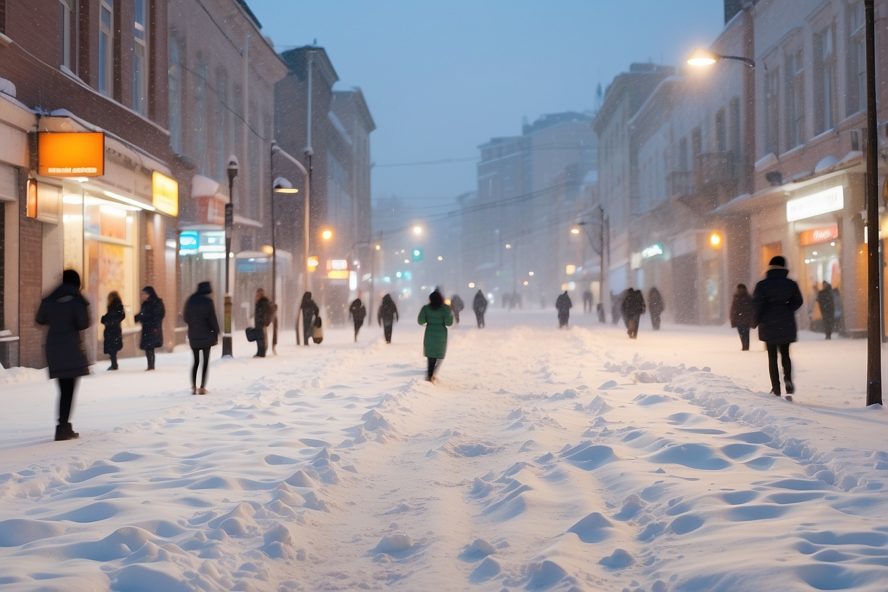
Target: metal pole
[
  {"x": 229, "y": 222},
  {"x": 874, "y": 319},
  {"x": 274, "y": 325}
]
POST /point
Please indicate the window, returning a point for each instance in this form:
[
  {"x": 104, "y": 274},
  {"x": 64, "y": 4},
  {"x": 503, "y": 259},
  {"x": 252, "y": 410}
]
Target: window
[
  {"x": 856, "y": 54},
  {"x": 175, "y": 95},
  {"x": 825, "y": 76},
  {"x": 696, "y": 146},
  {"x": 795, "y": 100},
  {"x": 772, "y": 110},
  {"x": 736, "y": 141},
  {"x": 140, "y": 56},
  {"x": 106, "y": 48},
  {"x": 65, "y": 10},
  {"x": 222, "y": 124},
  {"x": 721, "y": 132},
  {"x": 683, "y": 155},
  {"x": 200, "y": 117}
]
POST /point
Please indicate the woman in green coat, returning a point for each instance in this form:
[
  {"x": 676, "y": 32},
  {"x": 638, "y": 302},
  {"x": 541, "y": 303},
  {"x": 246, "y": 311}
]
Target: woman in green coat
[{"x": 436, "y": 316}]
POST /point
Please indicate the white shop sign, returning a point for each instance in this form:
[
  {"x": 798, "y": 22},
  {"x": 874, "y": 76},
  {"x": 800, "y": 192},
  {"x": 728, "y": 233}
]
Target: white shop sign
[{"x": 822, "y": 202}]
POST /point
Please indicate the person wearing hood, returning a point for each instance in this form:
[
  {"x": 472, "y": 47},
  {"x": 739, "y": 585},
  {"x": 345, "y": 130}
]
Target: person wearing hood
[
  {"x": 66, "y": 313},
  {"x": 456, "y": 305},
  {"x": 480, "y": 307},
  {"x": 563, "y": 304},
  {"x": 826, "y": 302},
  {"x": 309, "y": 310},
  {"x": 387, "y": 316},
  {"x": 112, "y": 336},
  {"x": 151, "y": 317},
  {"x": 203, "y": 332},
  {"x": 655, "y": 307},
  {"x": 263, "y": 314},
  {"x": 632, "y": 307},
  {"x": 743, "y": 314},
  {"x": 436, "y": 316},
  {"x": 357, "y": 311},
  {"x": 776, "y": 298}
]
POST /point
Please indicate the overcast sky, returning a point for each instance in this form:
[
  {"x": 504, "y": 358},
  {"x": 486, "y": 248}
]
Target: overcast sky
[{"x": 443, "y": 77}]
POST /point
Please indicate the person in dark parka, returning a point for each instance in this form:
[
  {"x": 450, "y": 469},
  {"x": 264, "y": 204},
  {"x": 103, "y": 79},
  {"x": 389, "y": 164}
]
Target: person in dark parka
[
  {"x": 387, "y": 316},
  {"x": 563, "y": 304},
  {"x": 66, "y": 312},
  {"x": 203, "y": 332},
  {"x": 632, "y": 308},
  {"x": 776, "y": 298},
  {"x": 151, "y": 316},
  {"x": 112, "y": 337},
  {"x": 436, "y": 316},
  {"x": 479, "y": 305},
  {"x": 743, "y": 314},
  {"x": 357, "y": 311},
  {"x": 309, "y": 311},
  {"x": 655, "y": 307},
  {"x": 262, "y": 316},
  {"x": 826, "y": 302},
  {"x": 456, "y": 305}
]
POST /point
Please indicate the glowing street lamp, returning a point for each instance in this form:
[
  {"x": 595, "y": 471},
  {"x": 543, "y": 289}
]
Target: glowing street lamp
[
  {"x": 326, "y": 234},
  {"x": 418, "y": 230},
  {"x": 703, "y": 58}
]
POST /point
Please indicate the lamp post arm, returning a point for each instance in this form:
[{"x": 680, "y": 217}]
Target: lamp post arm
[{"x": 750, "y": 63}]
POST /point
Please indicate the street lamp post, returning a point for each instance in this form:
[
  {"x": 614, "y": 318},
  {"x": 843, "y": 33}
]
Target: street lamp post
[
  {"x": 601, "y": 249},
  {"x": 280, "y": 185},
  {"x": 229, "y": 224}
]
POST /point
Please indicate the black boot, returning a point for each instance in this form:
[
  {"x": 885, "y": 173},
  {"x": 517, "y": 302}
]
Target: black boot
[{"x": 64, "y": 431}]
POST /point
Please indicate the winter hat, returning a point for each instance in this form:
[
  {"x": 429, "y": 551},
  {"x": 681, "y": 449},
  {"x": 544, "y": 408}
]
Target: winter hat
[
  {"x": 71, "y": 278},
  {"x": 777, "y": 261},
  {"x": 204, "y": 288}
]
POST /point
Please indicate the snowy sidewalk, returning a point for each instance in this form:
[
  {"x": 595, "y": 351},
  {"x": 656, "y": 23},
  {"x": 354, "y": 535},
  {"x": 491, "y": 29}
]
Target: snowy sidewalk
[{"x": 542, "y": 459}]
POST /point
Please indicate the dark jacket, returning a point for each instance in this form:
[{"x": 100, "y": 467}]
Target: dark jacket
[
  {"x": 151, "y": 316},
  {"x": 66, "y": 312},
  {"x": 113, "y": 335},
  {"x": 436, "y": 320},
  {"x": 309, "y": 308},
  {"x": 826, "y": 302},
  {"x": 388, "y": 312},
  {"x": 357, "y": 311},
  {"x": 563, "y": 303},
  {"x": 456, "y": 303},
  {"x": 776, "y": 298},
  {"x": 200, "y": 316},
  {"x": 742, "y": 310},
  {"x": 480, "y": 303},
  {"x": 655, "y": 302},
  {"x": 263, "y": 313},
  {"x": 633, "y": 305}
]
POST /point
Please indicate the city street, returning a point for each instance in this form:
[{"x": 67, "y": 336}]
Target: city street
[{"x": 541, "y": 459}]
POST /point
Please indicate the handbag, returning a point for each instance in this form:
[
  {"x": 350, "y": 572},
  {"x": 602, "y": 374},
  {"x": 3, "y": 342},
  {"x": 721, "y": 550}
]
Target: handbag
[
  {"x": 317, "y": 332},
  {"x": 252, "y": 334}
]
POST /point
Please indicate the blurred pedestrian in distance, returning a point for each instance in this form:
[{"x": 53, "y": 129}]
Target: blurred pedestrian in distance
[
  {"x": 743, "y": 314},
  {"x": 600, "y": 308},
  {"x": 263, "y": 314},
  {"x": 151, "y": 317},
  {"x": 632, "y": 308},
  {"x": 776, "y": 298},
  {"x": 587, "y": 301},
  {"x": 387, "y": 316},
  {"x": 309, "y": 310},
  {"x": 66, "y": 313},
  {"x": 563, "y": 304},
  {"x": 826, "y": 302},
  {"x": 655, "y": 307},
  {"x": 203, "y": 332},
  {"x": 112, "y": 336},
  {"x": 480, "y": 307},
  {"x": 456, "y": 305},
  {"x": 617, "y": 306},
  {"x": 436, "y": 316},
  {"x": 357, "y": 311}
]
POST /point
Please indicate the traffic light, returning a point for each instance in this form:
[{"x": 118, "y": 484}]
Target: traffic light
[{"x": 417, "y": 255}]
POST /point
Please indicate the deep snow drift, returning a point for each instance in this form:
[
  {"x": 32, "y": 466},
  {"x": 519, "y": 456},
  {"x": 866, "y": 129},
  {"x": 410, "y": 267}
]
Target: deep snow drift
[{"x": 542, "y": 459}]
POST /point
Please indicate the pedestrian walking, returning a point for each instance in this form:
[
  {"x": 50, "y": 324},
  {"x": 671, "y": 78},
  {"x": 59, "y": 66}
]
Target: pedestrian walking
[
  {"x": 387, "y": 316},
  {"x": 827, "y": 304},
  {"x": 563, "y": 304},
  {"x": 776, "y": 298},
  {"x": 309, "y": 310},
  {"x": 263, "y": 314},
  {"x": 617, "y": 306},
  {"x": 357, "y": 311},
  {"x": 436, "y": 316},
  {"x": 66, "y": 313},
  {"x": 743, "y": 314},
  {"x": 479, "y": 305},
  {"x": 655, "y": 307},
  {"x": 203, "y": 332},
  {"x": 112, "y": 336},
  {"x": 587, "y": 301},
  {"x": 632, "y": 308},
  {"x": 151, "y": 317},
  {"x": 456, "y": 305}
]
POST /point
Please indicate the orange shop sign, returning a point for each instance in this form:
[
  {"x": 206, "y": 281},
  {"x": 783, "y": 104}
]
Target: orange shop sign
[
  {"x": 71, "y": 154},
  {"x": 816, "y": 236}
]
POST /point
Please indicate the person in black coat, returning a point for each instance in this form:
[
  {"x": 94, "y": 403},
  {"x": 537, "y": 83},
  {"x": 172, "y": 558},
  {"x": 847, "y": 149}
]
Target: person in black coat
[
  {"x": 203, "y": 332},
  {"x": 357, "y": 311},
  {"x": 309, "y": 310},
  {"x": 263, "y": 314},
  {"x": 66, "y": 312},
  {"x": 563, "y": 304},
  {"x": 776, "y": 298},
  {"x": 387, "y": 315},
  {"x": 826, "y": 302},
  {"x": 632, "y": 308},
  {"x": 743, "y": 314},
  {"x": 151, "y": 316},
  {"x": 456, "y": 306},
  {"x": 655, "y": 307},
  {"x": 112, "y": 337},
  {"x": 479, "y": 305}
]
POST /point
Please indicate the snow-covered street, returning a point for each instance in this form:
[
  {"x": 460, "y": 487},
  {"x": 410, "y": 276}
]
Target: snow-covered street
[{"x": 541, "y": 459}]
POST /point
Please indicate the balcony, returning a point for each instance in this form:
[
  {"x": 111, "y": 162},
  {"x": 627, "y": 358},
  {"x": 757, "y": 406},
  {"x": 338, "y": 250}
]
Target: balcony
[{"x": 715, "y": 168}]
